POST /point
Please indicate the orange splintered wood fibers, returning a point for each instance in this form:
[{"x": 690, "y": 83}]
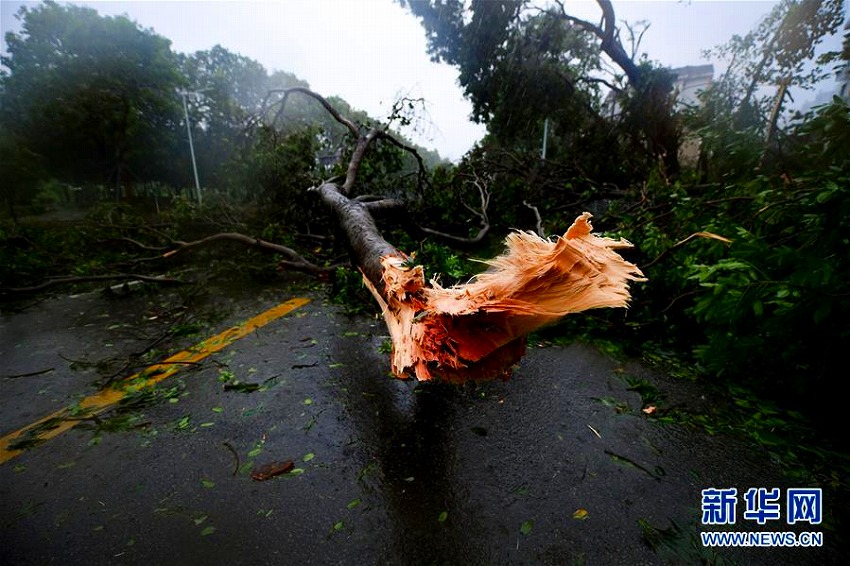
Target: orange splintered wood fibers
[{"x": 477, "y": 331}]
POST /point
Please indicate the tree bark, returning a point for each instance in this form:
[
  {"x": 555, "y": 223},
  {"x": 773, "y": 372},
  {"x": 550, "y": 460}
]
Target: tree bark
[
  {"x": 610, "y": 43},
  {"x": 365, "y": 240}
]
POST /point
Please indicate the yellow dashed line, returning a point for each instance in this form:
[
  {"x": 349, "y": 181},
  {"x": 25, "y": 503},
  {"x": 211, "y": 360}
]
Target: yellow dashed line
[{"x": 62, "y": 420}]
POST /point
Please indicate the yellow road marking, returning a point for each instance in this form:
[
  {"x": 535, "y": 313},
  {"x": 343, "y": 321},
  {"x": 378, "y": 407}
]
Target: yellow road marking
[{"x": 63, "y": 419}]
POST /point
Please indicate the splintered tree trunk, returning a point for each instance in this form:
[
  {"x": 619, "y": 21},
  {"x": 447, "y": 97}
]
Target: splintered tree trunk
[
  {"x": 474, "y": 331},
  {"x": 477, "y": 331}
]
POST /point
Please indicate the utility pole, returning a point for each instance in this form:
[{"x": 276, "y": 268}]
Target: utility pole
[
  {"x": 545, "y": 138},
  {"x": 184, "y": 94}
]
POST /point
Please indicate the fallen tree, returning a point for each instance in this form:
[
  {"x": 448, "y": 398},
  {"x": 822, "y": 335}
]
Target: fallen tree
[{"x": 475, "y": 331}]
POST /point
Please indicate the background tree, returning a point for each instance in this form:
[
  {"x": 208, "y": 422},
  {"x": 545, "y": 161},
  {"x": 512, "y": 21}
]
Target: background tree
[
  {"x": 22, "y": 172},
  {"x": 767, "y": 64},
  {"x": 226, "y": 89},
  {"x": 95, "y": 96},
  {"x": 555, "y": 63}
]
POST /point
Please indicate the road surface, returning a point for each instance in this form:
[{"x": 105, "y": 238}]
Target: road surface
[{"x": 557, "y": 466}]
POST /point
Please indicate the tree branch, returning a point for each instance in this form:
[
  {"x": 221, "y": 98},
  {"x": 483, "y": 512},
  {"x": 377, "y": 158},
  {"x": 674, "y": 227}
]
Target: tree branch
[
  {"x": 294, "y": 260},
  {"x": 610, "y": 44},
  {"x": 484, "y": 195},
  {"x": 351, "y": 126},
  {"x": 539, "y": 221},
  {"x": 367, "y": 244},
  {"x": 476, "y": 331},
  {"x": 422, "y": 177},
  {"x": 88, "y": 278}
]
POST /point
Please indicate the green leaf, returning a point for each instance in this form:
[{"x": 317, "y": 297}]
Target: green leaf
[
  {"x": 526, "y": 527},
  {"x": 441, "y": 518},
  {"x": 207, "y": 531},
  {"x": 307, "y": 457},
  {"x": 354, "y": 503},
  {"x": 208, "y": 484}
]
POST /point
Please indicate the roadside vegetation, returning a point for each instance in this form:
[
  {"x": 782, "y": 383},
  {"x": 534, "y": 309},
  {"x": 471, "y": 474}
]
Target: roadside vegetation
[{"x": 743, "y": 237}]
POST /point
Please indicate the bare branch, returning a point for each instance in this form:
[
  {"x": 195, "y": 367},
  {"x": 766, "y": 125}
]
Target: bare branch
[
  {"x": 539, "y": 220},
  {"x": 680, "y": 243},
  {"x": 384, "y": 205},
  {"x": 293, "y": 260},
  {"x": 89, "y": 278},
  {"x": 362, "y": 143},
  {"x": 602, "y": 81},
  {"x": 357, "y": 158},
  {"x": 139, "y": 244},
  {"x": 476, "y": 239},
  {"x": 352, "y": 127},
  {"x": 422, "y": 178},
  {"x": 484, "y": 195}
]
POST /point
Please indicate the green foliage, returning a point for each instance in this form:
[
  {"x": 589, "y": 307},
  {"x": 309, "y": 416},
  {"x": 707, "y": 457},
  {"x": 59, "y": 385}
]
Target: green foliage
[
  {"x": 769, "y": 310},
  {"x": 524, "y": 66},
  {"x": 781, "y": 47},
  {"x": 349, "y": 292},
  {"x": 441, "y": 261}
]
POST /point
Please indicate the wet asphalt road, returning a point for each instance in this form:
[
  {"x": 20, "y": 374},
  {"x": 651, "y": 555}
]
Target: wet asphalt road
[{"x": 557, "y": 466}]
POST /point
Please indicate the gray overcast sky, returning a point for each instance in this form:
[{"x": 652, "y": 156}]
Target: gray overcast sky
[{"x": 370, "y": 52}]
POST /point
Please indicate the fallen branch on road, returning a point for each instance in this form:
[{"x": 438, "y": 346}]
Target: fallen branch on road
[{"x": 89, "y": 278}]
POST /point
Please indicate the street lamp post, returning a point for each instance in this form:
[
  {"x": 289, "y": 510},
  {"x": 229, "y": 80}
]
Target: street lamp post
[{"x": 184, "y": 94}]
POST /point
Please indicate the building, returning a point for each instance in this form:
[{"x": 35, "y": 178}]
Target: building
[{"x": 690, "y": 82}]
